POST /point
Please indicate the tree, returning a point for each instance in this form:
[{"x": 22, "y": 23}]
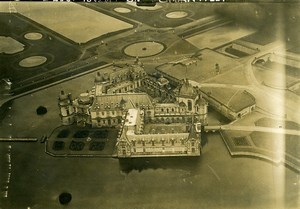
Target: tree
[
  {"x": 65, "y": 198},
  {"x": 217, "y": 67},
  {"x": 41, "y": 110}
]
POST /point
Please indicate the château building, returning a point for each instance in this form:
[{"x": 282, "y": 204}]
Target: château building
[
  {"x": 124, "y": 96},
  {"x": 137, "y": 139}
]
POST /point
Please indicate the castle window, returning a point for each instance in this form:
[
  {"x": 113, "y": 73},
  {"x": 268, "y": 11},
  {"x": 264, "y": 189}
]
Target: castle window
[
  {"x": 152, "y": 142},
  {"x": 190, "y": 105},
  {"x": 193, "y": 143}
]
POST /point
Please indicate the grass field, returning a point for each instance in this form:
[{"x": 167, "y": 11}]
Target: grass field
[
  {"x": 274, "y": 78},
  {"x": 219, "y": 36},
  {"x": 9, "y": 45},
  {"x": 57, "y": 50},
  {"x": 268, "y": 122},
  {"x": 263, "y": 37},
  {"x": 277, "y": 142},
  {"x": 73, "y": 21},
  {"x": 157, "y": 17},
  {"x": 236, "y": 77},
  {"x": 203, "y": 69},
  {"x": 295, "y": 49}
]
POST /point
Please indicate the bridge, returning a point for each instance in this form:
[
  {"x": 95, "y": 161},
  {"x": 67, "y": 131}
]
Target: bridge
[{"x": 252, "y": 128}]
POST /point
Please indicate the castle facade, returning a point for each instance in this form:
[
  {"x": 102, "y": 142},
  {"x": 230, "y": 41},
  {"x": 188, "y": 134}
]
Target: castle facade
[{"x": 125, "y": 97}]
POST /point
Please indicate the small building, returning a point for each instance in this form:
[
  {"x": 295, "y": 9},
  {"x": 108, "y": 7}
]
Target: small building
[{"x": 232, "y": 103}]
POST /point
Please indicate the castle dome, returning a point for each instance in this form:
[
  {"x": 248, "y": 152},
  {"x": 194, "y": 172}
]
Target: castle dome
[
  {"x": 182, "y": 104},
  {"x": 63, "y": 96},
  {"x": 99, "y": 77},
  {"x": 200, "y": 101},
  {"x": 186, "y": 89}
]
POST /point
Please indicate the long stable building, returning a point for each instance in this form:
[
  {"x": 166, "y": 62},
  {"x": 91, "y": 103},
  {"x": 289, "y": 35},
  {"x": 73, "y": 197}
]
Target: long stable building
[{"x": 121, "y": 99}]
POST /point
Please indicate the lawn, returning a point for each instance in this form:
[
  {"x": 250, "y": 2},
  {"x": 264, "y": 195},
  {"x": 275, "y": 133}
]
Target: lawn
[
  {"x": 219, "y": 36},
  {"x": 261, "y": 38},
  {"x": 157, "y": 17},
  {"x": 80, "y": 29},
  {"x": 57, "y": 50},
  {"x": 203, "y": 68},
  {"x": 236, "y": 77},
  {"x": 268, "y": 122},
  {"x": 275, "y": 78},
  {"x": 277, "y": 142}
]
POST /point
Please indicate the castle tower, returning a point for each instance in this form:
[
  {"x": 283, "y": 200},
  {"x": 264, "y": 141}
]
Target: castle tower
[
  {"x": 66, "y": 108},
  {"x": 201, "y": 110},
  {"x": 98, "y": 84},
  {"x": 187, "y": 95},
  {"x": 194, "y": 139}
]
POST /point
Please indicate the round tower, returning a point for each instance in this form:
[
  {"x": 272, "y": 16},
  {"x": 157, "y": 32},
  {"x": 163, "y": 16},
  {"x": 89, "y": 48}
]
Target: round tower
[
  {"x": 66, "y": 108},
  {"x": 188, "y": 95},
  {"x": 98, "y": 84},
  {"x": 201, "y": 109}
]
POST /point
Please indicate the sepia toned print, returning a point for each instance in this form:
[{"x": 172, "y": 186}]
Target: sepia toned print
[{"x": 149, "y": 105}]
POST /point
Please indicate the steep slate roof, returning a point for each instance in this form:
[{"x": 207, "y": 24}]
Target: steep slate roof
[
  {"x": 112, "y": 101},
  {"x": 187, "y": 90}
]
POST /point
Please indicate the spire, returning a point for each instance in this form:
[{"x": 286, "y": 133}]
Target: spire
[{"x": 98, "y": 77}]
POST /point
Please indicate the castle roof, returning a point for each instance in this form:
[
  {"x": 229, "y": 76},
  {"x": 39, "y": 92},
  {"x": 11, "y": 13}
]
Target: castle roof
[
  {"x": 187, "y": 90},
  {"x": 234, "y": 99},
  {"x": 200, "y": 101},
  {"x": 126, "y": 100},
  {"x": 193, "y": 133},
  {"x": 63, "y": 96},
  {"x": 182, "y": 104},
  {"x": 101, "y": 77}
]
